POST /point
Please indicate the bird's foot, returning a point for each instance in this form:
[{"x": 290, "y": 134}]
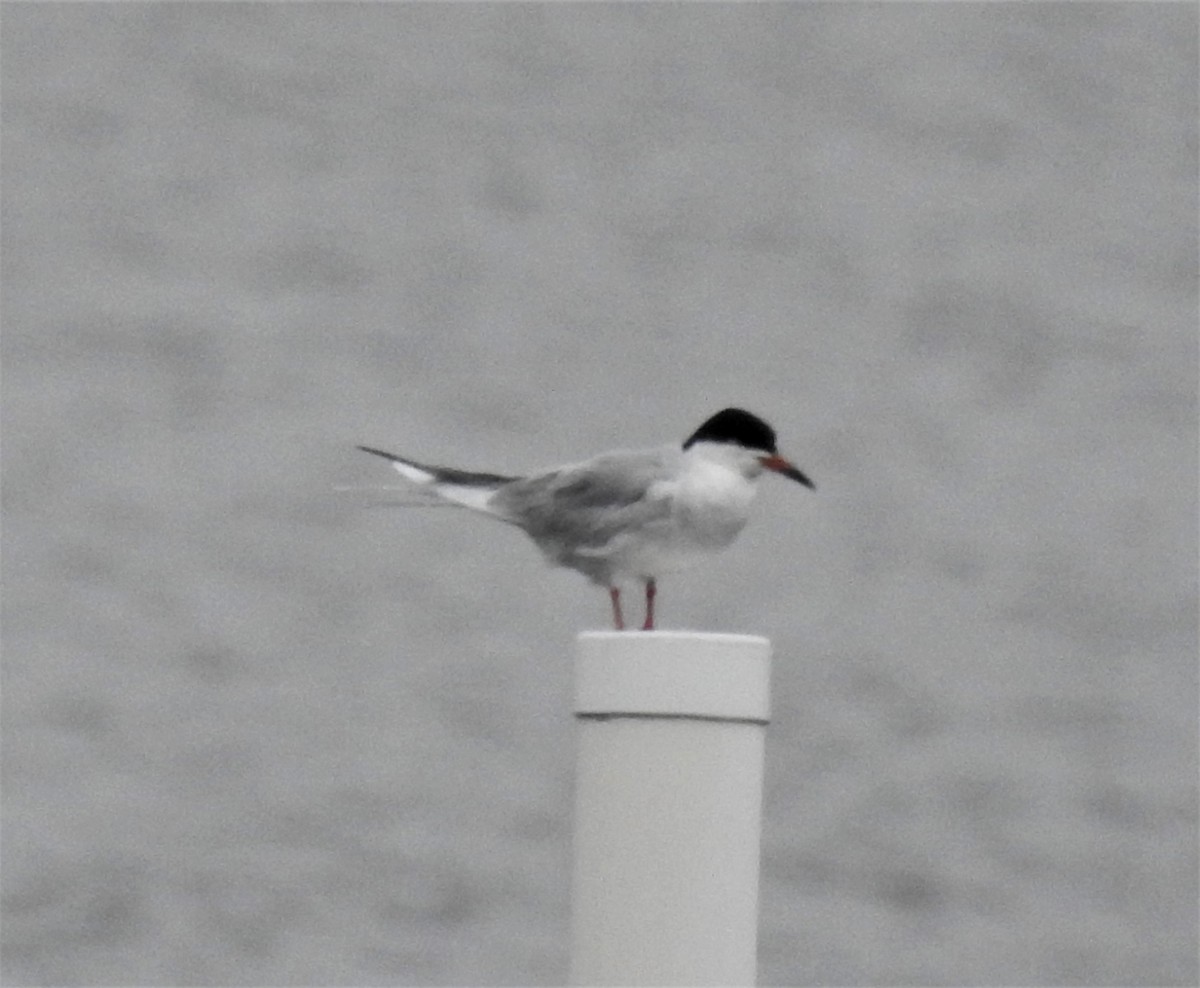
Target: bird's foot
[
  {"x": 614, "y": 594},
  {"x": 651, "y": 591}
]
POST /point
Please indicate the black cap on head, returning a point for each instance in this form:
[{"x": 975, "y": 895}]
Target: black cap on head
[{"x": 733, "y": 425}]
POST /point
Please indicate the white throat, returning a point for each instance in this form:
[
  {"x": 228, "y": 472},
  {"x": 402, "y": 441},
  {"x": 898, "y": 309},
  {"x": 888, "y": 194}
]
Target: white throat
[{"x": 715, "y": 490}]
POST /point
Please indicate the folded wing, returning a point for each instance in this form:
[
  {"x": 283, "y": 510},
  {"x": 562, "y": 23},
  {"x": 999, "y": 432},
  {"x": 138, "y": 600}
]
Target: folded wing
[{"x": 583, "y": 507}]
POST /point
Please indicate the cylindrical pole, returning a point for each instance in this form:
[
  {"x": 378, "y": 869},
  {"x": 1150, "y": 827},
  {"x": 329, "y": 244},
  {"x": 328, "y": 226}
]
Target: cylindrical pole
[{"x": 668, "y": 807}]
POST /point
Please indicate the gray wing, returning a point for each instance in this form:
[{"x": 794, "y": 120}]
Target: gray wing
[{"x": 585, "y": 506}]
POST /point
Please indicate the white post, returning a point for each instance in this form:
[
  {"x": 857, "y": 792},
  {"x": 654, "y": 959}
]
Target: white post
[{"x": 668, "y": 807}]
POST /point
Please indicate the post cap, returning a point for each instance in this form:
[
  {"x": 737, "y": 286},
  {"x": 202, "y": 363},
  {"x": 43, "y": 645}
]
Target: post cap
[{"x": 697, "y": 674}]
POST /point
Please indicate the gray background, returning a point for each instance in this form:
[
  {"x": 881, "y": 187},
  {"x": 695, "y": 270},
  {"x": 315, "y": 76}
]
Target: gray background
[{"x": 257, "y": 734}]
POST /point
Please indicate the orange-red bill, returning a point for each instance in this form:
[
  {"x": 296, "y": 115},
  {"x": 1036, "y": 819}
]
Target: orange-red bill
[{"x": 787, "y": 468}]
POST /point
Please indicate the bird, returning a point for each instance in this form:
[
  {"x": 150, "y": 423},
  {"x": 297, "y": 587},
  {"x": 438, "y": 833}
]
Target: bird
[{"x": 625, "y": 515}]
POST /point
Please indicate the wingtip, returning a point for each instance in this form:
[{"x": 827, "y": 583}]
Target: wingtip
[{"x": 377, "y": 452}]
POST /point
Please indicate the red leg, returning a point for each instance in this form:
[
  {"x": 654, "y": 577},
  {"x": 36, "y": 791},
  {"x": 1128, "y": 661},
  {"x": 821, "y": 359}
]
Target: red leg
[
  {"x": 614, "y": 595},
  {"x": 651, "y": 590}
]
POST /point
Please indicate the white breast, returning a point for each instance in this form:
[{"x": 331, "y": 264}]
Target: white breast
[{"x": 712, "y": 503}]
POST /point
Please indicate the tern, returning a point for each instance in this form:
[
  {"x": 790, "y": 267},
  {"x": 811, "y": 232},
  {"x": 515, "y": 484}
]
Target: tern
[{"x": 626, "y": 515}]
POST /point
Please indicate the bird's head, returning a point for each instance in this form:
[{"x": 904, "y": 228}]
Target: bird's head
[{"x": 746, "y": 441}]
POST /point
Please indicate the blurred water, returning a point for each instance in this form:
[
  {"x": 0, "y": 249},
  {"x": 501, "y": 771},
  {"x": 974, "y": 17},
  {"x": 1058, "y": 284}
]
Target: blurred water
[{"x": 255, "y": 735}]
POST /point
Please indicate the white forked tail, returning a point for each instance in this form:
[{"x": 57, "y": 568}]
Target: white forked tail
[
  {"x": 459, "y": 487},
  {"x": 475, "y": 498}
]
